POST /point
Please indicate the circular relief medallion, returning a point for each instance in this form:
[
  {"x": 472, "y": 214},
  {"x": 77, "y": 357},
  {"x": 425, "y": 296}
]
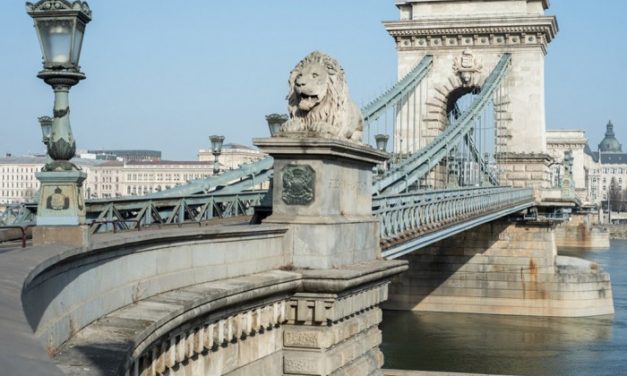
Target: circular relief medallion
[{"x": 298, "y": 184}]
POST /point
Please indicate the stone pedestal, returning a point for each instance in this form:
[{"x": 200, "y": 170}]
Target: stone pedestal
[
  {"x": 61, "y": 209},
  {"x": 323, "y": 190},
  {"x": 73, "y": 236},
  {"x": 332, "y": 326}
]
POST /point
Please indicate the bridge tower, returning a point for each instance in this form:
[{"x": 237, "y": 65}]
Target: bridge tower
[{"x": 466, "y": 39}]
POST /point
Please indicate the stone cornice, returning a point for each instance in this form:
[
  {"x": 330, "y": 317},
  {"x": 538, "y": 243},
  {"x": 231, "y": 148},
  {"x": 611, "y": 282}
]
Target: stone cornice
[
  {"x": 545, "y": 3},
  {"x": 508, "y": 32}
]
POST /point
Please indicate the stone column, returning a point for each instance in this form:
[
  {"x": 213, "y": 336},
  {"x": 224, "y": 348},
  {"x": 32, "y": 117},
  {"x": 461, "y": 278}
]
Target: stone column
[{"x": 322, "y": 191}]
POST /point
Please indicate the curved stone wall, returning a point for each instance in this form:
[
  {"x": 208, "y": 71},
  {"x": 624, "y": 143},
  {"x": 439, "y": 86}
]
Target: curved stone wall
[{"x": 67, "y": 292}]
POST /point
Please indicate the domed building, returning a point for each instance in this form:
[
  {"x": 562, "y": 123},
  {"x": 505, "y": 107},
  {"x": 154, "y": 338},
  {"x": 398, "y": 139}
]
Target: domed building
[
  {"x": 610, "y": 144},
  {"x": 609, "y": 163}
]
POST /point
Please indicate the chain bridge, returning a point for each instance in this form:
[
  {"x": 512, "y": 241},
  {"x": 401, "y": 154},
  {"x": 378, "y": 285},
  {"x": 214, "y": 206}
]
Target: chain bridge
[
  {"x": 222, "y": 277},
  {"x": 404, "y": 207}
]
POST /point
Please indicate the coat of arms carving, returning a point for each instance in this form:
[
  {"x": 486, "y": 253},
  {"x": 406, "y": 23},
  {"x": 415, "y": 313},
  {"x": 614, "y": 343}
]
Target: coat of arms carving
[
  {"x": 466, "y": 66},
  {"x": 57, "y": 201},
  {"x": 298, "y": 184}
]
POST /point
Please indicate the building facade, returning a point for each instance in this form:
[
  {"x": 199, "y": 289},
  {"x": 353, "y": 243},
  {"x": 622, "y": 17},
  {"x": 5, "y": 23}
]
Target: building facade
[
  {"x": 105, "y": 178},
  {"x": 127, "y": 155},
  {"x": 593, "y": 171},
  {"x": 609, "y": 163},
  {"x": 558, "y": 142},
  {"x": 232, "y": 156},
  {"x": 119, "y": 173}
]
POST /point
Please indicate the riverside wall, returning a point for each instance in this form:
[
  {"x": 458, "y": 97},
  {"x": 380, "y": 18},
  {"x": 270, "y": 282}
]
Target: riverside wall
[
  {"x": 581, "y": 231},
  {"x": 501, "y": 268}
]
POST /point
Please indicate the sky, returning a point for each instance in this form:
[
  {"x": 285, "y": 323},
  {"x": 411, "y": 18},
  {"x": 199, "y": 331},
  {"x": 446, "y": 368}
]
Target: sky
[{"x": 165, "y": 75}]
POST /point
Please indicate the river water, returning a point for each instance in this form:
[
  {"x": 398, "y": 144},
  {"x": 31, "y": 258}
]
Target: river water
[{"x": 516, "y": 345}]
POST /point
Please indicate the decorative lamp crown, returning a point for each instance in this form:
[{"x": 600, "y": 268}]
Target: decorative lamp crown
[
  {"x": 382, "y": 141},
  {"x": 216, "y": 144},
  {"x": 60, "y": 26},
  {"x": 275, "y": 121},
  {"x": 45, "y": 122}
]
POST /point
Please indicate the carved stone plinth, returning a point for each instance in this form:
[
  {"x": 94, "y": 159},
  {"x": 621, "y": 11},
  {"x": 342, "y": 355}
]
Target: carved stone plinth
[
  {"x": 61, "y": 201},
  {"x": 323, "y": 190},
  {"x": 332, "y": 326},
  {"x": 61, "y": 209}
]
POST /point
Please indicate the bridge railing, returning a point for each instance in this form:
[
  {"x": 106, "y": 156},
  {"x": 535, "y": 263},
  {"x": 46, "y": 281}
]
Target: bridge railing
[
  {"x": 131, "y": 213},
  {"x": 415, "y": 213}
]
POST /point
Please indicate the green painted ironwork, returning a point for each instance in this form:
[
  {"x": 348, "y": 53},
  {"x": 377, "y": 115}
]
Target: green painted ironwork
[
  {"x": 395, "y": 94},
  {"x": 415, "y": 220},
  {"x": 419, "y": 164}
]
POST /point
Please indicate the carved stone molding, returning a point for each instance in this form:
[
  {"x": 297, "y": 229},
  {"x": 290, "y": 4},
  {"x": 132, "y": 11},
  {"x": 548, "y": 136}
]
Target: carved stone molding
[
  {"x": 479, "y": 32},
  {"x": 204, "y": 337},
  {"x": 299, "y": 184},
  {"x": 466, "y": 66},
  {"x": 328, "y": 309}
]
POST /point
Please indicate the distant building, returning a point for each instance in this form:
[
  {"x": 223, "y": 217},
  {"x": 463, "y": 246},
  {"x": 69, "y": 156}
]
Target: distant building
[
  {"x": 137, "y": 178},
  {"x": 127, "y": 155},
  {"x": 105, "y": 178},
  {"x": 17, "y": 176},
  {"x": 233, "y": 155},
  {"x": 609, "y": 162},
  {"x": 559, "y": 141}
]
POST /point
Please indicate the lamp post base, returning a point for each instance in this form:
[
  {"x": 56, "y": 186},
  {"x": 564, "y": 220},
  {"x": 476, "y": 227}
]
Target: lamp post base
[
  {"x": 72, "y": 236},
  {"x": 61, "y": 201}
]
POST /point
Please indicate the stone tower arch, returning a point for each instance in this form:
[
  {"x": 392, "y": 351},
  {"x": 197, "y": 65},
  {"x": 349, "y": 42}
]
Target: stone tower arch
[{"x": 466, "y": 39}]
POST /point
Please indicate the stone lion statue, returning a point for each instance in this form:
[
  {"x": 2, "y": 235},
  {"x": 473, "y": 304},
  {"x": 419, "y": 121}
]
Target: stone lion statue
[{"x": 318, "y": 101}]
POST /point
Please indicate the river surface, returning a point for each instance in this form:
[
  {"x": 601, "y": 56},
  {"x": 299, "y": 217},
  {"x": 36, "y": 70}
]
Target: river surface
[{"x": 516, "y": 345}]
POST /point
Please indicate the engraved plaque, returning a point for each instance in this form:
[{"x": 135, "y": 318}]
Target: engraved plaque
[{"x": 298, "y": 184}]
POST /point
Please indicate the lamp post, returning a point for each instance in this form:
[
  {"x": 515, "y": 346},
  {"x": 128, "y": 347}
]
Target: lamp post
[
  {"x": 60, "y": 26},
  {"x": 381, "y": 141},
  {"x": 216, "y": 150},
  {"x": 275, "y": 121},
  {"x": 45, "y": 122}
]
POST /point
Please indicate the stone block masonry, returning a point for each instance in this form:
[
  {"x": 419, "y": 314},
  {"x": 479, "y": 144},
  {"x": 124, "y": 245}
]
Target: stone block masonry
[
  {"x": 501, "y": 268},
  {"x": 580, "y": 232}
]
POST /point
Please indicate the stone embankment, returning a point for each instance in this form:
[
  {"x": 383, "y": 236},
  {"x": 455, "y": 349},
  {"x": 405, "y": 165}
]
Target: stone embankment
[
  {"x": 581, "y": 232},
  {"x": 501, "y": 268}
]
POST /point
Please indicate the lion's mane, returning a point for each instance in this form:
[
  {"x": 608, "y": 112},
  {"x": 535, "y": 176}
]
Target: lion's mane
[{"x": 336, "y": 116}]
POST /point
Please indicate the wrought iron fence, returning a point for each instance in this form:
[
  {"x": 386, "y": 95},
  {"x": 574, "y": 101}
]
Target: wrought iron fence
[
  {"x": 413, "y": 213},
  {"x": 133, "y": 213}
]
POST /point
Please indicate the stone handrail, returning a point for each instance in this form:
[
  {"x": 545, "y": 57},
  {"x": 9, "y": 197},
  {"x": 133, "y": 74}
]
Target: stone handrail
[
  {"x": 55, "y": 298},
  {"x": 55, "y": 291}
]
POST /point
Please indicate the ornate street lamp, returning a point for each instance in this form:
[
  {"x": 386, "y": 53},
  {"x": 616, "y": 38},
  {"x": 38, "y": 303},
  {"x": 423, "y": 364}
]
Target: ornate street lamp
[
  {"x": 275, "y": 121},
  {"x": 216, "y": 150},
  {"x": 45, "y": 122},
  {"x": 381, "y": 141},
  {"x": 60, "y": 26}
]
